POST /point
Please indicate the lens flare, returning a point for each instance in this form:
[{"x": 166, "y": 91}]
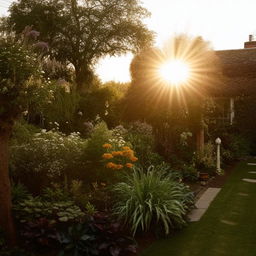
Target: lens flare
[{"x": 175, "y": 72}]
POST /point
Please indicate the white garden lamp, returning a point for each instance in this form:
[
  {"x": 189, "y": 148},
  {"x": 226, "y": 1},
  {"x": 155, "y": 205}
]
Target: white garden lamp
[{"x": 218, "y": 142}]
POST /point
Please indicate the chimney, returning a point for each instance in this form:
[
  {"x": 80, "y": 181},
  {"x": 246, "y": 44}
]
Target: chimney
[{"x": 251, "y": 43}]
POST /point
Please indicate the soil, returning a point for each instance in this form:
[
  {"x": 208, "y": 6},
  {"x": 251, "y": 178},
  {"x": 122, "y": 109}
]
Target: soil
[{"x": 218, "y": 181}]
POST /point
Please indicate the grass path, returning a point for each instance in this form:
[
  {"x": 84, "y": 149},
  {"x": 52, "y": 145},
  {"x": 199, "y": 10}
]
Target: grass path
[{"x": 227, "y": 228}]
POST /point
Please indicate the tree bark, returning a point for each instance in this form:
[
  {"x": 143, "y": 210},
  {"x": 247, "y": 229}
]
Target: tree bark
[
  {"x": 84, "y": 78},
  {"x": 6, "y": 220}
]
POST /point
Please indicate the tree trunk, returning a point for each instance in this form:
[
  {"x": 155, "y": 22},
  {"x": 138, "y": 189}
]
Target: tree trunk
[
  {"x": 6, "y": 220},
  {"x": 200, "y": 141},
  {"x": 84, "y": 78}
]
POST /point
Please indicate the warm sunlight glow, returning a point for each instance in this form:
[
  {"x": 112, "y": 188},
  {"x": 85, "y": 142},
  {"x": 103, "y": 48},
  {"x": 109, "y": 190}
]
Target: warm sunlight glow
[{"x": 175, "y": 72}]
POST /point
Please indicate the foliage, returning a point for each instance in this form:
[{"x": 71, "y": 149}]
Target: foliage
[
  {"x": 22, "y": 63},
  {"x": 82, "y": 32},
  {"x": 207, "y": 161},
  {"x": 235, "y": 144},
  {"x": 151, "y": 198},
  {"x": 41, "y": 110},
  {"x": 140, "y": 135},
  {"x": 78, "y": 240},
  {"x": 35, "y": 208},
  {"x": 189, "y": 173},
  {"x": 22, "y": 132},
  {"x": 103, "y": 101},
  {"x": 111, "y": 238},
  {"x": 99, "y": 136},
  {"x": 39, "y": 234},
  {"x": 81, "y": 198},
  {"x": 55, "y": 194},
  {"x": 19, "y": 193},
  {"x": 47, "y": 155}
]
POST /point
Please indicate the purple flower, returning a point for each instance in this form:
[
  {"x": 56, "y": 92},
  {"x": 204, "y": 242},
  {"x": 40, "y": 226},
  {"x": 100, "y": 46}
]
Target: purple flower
[
  {"x": 42, "y": 46},
  {"x": 32, "y": 34}
]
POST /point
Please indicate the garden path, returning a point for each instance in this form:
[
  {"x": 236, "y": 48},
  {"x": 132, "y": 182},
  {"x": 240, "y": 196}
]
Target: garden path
[
  {"x": 226, "y": 229},
  {"x": 203, "y": 203}
]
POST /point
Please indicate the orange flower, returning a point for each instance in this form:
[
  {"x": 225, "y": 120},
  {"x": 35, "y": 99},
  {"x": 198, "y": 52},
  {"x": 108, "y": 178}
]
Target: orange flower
[
  {"x": 129, "y": 165},
  {"x": 117, "y": 153},
  {"x": 126, "y": 148},
  {"x": 110, "y": 165},
  {"x": 134, "y": 159},
  {"x": 107, "y": 145},
  {"x": 119, "y": 166},
  {"x": 128, "y": 153},
  {"x": 107, "y": 156}
]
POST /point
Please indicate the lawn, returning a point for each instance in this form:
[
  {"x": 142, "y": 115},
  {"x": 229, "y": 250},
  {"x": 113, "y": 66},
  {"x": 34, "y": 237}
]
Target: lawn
[{"x": 228, "y": 227}]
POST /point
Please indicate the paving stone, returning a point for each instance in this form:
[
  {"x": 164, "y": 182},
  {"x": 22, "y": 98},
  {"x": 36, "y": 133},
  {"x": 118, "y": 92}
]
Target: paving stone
[
  {"x": 231, "y": 223},
  {"x": 250, "y": 180},
  {"x": 243, "y": 194},
  {"x": 203, "y": 203},
  {"x": 196, "y": 214},
  {"x": 208, "y": 196},
  {"x": 251, "y": 163}
]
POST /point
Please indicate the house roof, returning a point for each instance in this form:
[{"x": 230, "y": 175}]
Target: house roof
[{"x": 238, "y": 72}]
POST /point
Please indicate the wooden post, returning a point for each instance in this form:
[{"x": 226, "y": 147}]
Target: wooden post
[
  {"x": 200, "y": 137},
  {"x": 232, "y": 110}
]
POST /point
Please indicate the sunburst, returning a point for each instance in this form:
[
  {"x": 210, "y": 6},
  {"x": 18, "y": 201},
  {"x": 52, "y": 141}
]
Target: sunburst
[{"x": 175, "y": 71}]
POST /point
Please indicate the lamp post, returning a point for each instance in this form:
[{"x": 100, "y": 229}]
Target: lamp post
[{"x": 218, "y": 142}]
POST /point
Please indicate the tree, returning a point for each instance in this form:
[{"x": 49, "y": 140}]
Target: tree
[
  {"x": 82, "y": 32},
  {"x": 17, "y": 64},
  {"x": 151, "y": 98}
]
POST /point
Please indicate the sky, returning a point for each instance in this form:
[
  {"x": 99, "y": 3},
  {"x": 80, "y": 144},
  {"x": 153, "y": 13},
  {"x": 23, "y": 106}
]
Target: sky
[{"x": 225, "y": 23}]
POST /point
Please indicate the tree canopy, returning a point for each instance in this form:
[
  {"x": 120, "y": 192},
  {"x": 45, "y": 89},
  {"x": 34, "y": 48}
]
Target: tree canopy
[{"x": 81, "y": 32}]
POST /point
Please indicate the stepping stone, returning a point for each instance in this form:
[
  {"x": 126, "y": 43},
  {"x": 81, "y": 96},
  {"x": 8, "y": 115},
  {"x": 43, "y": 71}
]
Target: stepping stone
[
  {"x": 203, "y": 203},
  {"x": 252, "y": 172},
  {"x": 243, "y": 194},
  {"x": 196, "y": 214},
  {"x": 251, "y": 163},
  {"x": 250, "y": 180},
  {"x": 231, "y": 223}
]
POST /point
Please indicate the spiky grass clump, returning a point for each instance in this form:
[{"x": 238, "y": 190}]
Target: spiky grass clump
[{"x": 151, "y": 197}]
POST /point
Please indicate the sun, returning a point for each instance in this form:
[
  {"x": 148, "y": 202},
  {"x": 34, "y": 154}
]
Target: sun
[{"x": 175, "y": 72}]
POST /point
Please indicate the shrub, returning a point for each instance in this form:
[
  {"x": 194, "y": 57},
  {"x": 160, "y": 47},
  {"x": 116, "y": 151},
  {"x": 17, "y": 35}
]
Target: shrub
[
  {"x": 140, "y": 135},
  {"x": 189, "y": 173},
  {"x": 19, "y": 193},
  {"x": 47, "y": 157},
  {"x": 207, "y": 161},
  {"x": 150, "y": 198},
  {"x": 99, "y": 136}
]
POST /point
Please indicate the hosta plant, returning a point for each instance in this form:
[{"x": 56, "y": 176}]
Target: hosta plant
[
  {"x": 151, "y": 197},
  {"x": 36, "y": 208}
]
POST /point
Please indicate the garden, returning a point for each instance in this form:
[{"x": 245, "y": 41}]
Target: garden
[{"x": 93, "y": 168}]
